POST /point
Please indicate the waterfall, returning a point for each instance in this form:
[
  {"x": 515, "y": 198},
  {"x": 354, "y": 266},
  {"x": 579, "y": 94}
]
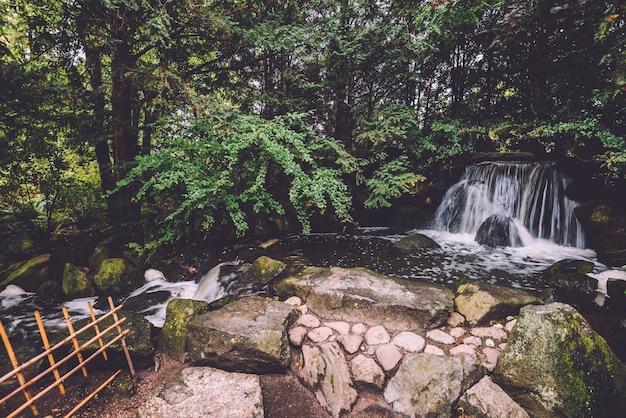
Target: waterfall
[
  {"x": 215, "y": 284},
  {"x": 532, "y": 195}
]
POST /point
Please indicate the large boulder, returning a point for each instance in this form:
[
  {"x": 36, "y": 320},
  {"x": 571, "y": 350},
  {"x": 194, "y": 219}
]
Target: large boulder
[
  {"x": 416, "y": 241},
  {"x": 605, "y": 229},
  {"x": 248, "y": 335},
  {"x": 114, "y": 272},
  {"x": 498, "y": 231},
  {"x": 75, "y": 282},
  {"x": 29, "y": 274},
  {"x": 325, "y": 371},
  {"x": 428, "y": 384},
  {"x": 555, "y": 365},
  {"x": 481, "y": 302},
  {"x": 174, "y": 332},
  {"x": 487, "y": 400},
  {"x": 360, "y": 295},
  {"x": 16, "y": 244},
  {"x": 206, "y": 392}
]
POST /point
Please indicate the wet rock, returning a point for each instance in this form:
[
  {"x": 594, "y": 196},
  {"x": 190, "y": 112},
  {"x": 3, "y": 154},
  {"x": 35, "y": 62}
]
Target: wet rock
[
  {"x": 555, "y": 364},
  {"x": 481, "y": 302},
  {"x": 206, "y": 392},
  {"x": 29, "y": 274},
  {"x": 249, "y": 335},
  {"x": 487, "y": 400},
  {"x": 605, "y": 229},
  {"x": 75, "y": 282},
  {"x": 178, "y": 314},
  {"x": 498, "y": 231},
  {"x": 416, "y": 241},
  {"x": 360, "y": 295},
  {"x": 325, "y": 371},
  {"x": 428, "y": 385},
  {"x": 263, "y": 269}
]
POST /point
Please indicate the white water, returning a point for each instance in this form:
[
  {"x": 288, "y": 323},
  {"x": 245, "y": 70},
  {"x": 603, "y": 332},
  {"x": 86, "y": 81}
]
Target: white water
[{"x": 532, "y": 194}]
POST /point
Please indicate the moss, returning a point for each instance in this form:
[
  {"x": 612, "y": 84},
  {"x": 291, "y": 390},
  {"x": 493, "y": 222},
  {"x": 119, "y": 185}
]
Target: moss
[
  {"x": 112, "y": 272},
  {"x": 75, "y": 282},
  {"x": 179, "y": 313},
  {"x": 263, "y": 269}
]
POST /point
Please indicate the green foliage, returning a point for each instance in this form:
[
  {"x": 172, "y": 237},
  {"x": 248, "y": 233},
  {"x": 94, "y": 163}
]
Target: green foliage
[{"x": 222, "y": 167}]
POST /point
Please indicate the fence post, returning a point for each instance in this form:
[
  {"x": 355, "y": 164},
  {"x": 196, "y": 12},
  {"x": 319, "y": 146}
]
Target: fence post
[{"x": 46, "y": 345}]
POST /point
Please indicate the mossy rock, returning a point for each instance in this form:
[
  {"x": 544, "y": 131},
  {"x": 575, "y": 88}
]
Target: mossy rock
[
  {"x": 416, "y": 241},
  {"x": 16, "y": 245},
  {"x": 569, "y": 266},
  {"x": 113, "y": 272},
  {"x": 75, "y": 282},
  {"x": 554, "y": 364},
  {"x": 173, "y": 335},
  {"x": 100, "y": 253},
  {"x": 29, "y": 274},
  {"x": 263, "y": 269}
]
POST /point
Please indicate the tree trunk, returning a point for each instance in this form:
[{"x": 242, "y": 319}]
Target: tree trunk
[{"x": 125, "y": 134}]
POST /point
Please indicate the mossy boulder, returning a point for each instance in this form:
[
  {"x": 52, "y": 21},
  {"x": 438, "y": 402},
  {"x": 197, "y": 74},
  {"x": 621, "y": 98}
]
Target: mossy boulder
[
  {"x": 554, "y": 364},
  {"x": 174, "y": 332},
  {"x": 415, "y": 241},
  {"x": 29, "y": 274},
  {"x": 569, "y": 266},
  {"x": 75, "y": 282},
  {"x": 114, "y": 272},
  {"x": 569, "y": 280},
  {"x": 263, "y": 269}
]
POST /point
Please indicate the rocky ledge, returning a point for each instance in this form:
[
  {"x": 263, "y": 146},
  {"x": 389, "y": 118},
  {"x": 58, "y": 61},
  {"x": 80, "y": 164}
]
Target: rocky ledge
[{"x": 341, "y": 331}]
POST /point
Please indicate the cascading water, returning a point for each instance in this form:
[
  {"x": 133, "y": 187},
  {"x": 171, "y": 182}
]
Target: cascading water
[{"x": 532, "y": 195}]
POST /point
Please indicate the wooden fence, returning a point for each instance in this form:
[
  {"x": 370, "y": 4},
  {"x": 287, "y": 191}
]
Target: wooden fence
[{"x": 114, "y": 332}]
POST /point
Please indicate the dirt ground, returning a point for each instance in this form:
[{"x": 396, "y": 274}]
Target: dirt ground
[{"x": 283, "y": 396}]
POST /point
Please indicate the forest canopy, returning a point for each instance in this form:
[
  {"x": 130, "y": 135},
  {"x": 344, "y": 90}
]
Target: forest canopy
[{"x": 195, "y": 116}]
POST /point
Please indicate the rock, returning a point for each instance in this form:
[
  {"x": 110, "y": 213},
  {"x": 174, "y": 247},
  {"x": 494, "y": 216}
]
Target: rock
[
  {"x": 178, "y": 314},
  {"x": 249, "y": 335},
  {"x": 428, "y": 385},
  {"x": 296, "y": 335},
  {"x": 206, "y": 392},
  {"x": 491, "y": 355},
  {"x": 415, "y": 242},
  {"x": 457, "y": 332},
  {"x": 309, "y": 321},
  {"x": 510, "y": 324},
  {"x": 388, "y": 356},
  {"x": 433, "y": 349},
  {"x": 263, "y": 269},
  {"x": 481, "y": 302},
  {"x": 320, "y": 334},
  {"x": 489, "y": 332},
  {"x": 75, "y": 282},
  {"x": 498, "y": 231},
  {"x": 294, "y": 301},
  {"x": 463, "y": 349},
  {"x": 339, "y": 326},
  {"x": 604, "y": 223},
  {"x": 554, "y": 363},
  {"x": 350, "y": 342},
  {"x": 114, "y": 272},
  {"x": 569, "y": 280},
  {"x": 366, "y": 370},
  {"x": 360, "y": 295},
  {"x": 473, "y": 340},
  {"x": 29, "y": 274},
  {"x": 100, "y": 253},
  {"x": 487, "y": 400},
  {"x": 569, "y": 266},
  {"x": 326, "y": 373},
  {"x": 359, "y": 329},
  {"x": 377, "y": 335},
  {"x": 409, "y": 341},
  {"x": 455, "y": 319},
  {"x": 440, "y": 337}
]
